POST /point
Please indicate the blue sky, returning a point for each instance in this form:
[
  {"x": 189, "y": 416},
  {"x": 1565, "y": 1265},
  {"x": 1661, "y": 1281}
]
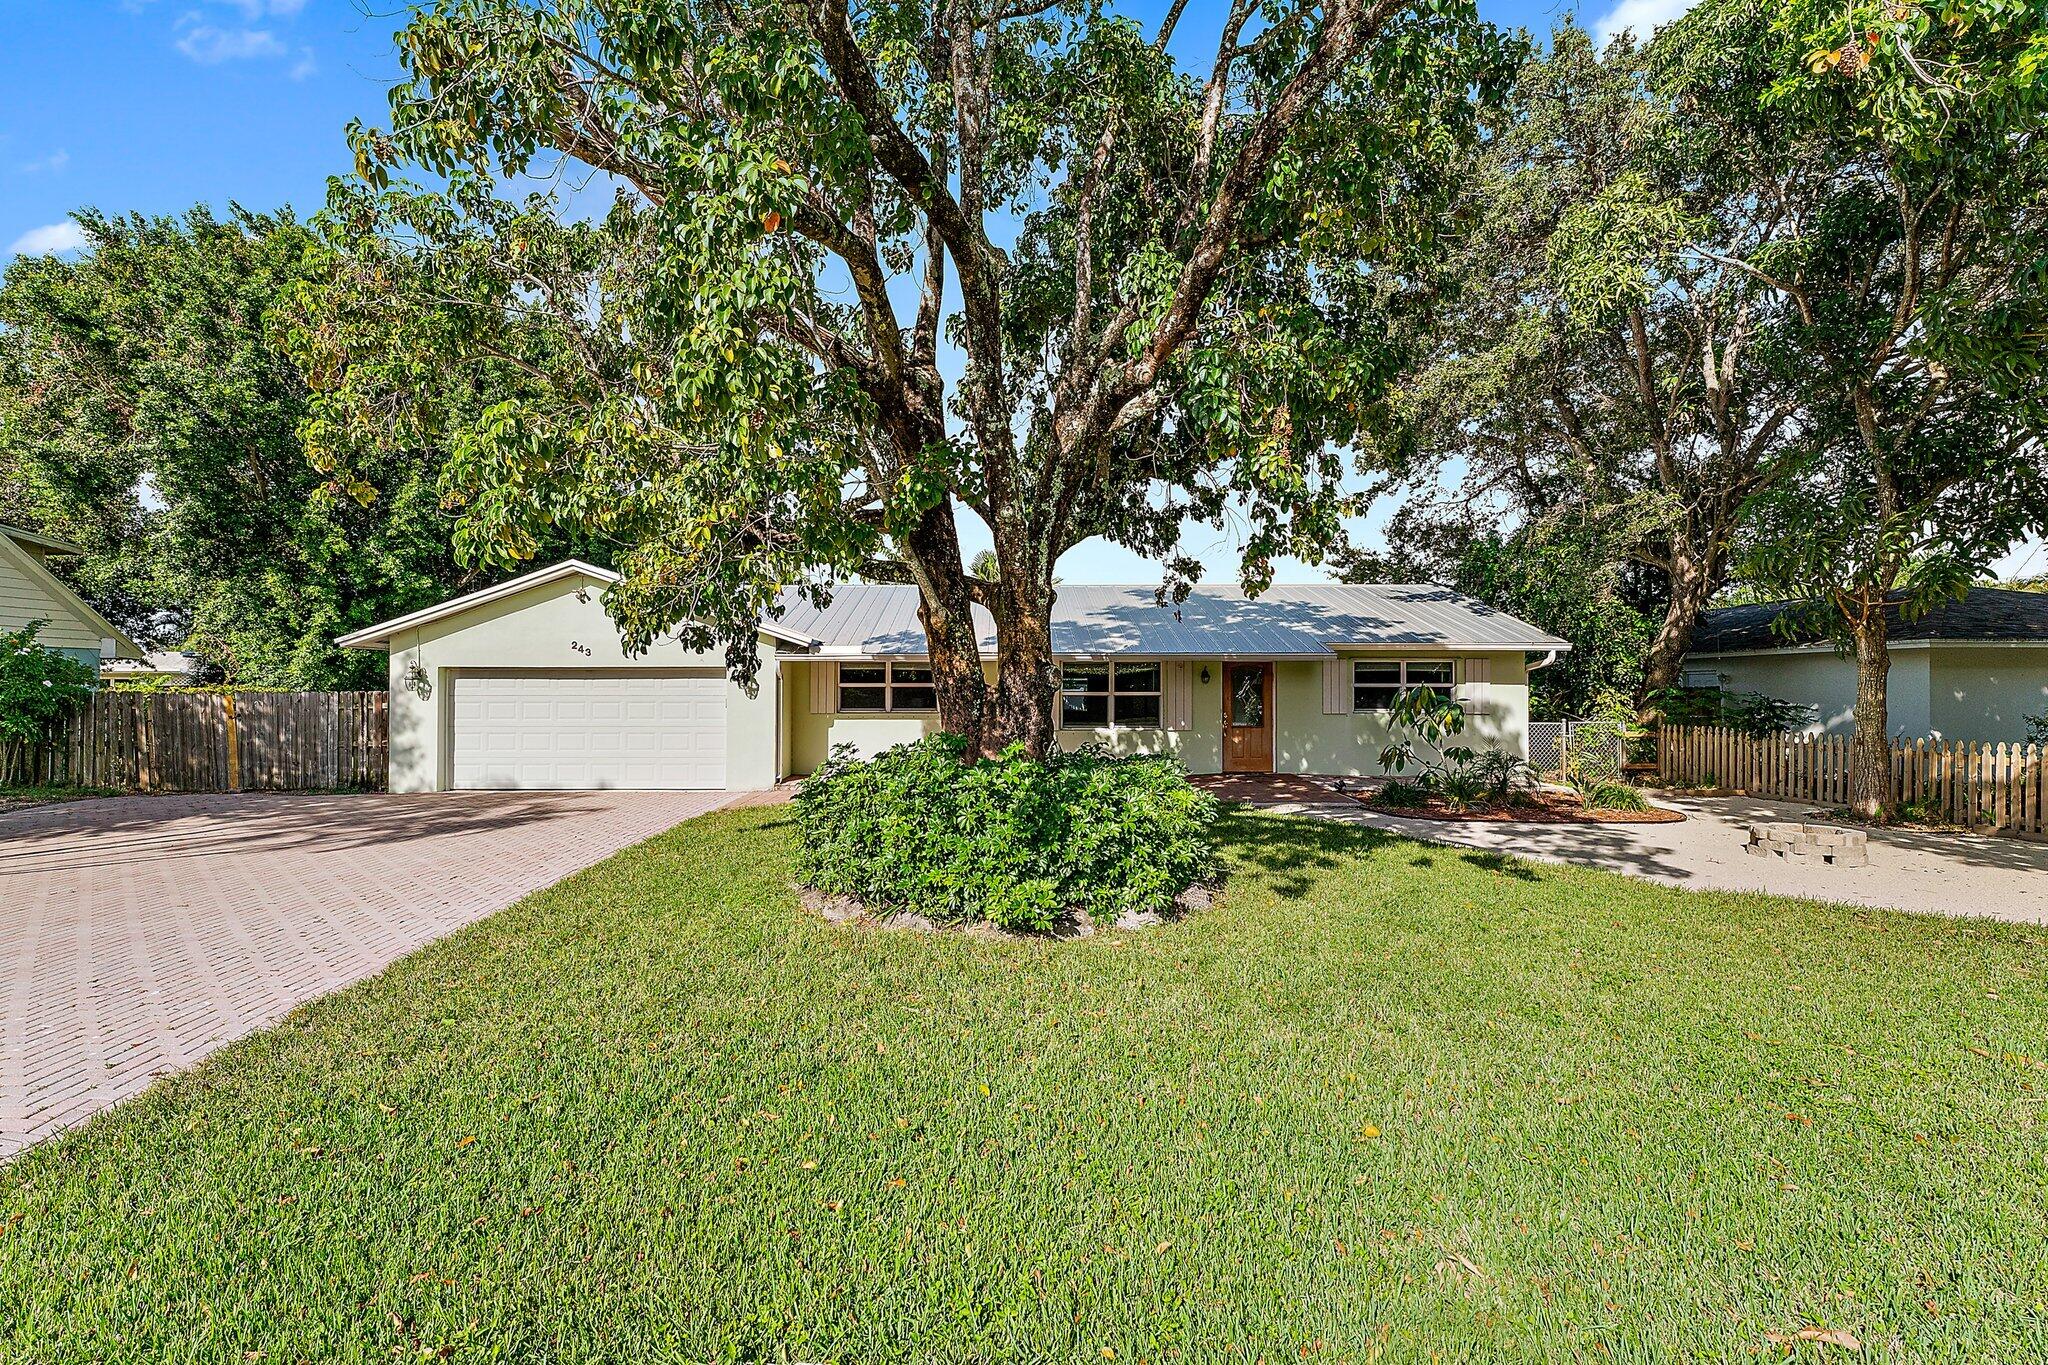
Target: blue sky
[{"x": 155, "y": 105}]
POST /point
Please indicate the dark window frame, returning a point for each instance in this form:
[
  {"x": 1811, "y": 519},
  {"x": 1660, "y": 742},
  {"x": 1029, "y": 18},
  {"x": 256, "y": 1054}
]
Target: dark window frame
[
  {"x": 1112, "y": 692},
  {"x": 1448, "y": 685},
  {"x": 889, "y": 685}
]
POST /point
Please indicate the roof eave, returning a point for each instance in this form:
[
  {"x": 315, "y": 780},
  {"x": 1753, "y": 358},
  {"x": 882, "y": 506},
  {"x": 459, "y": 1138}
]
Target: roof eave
[
  {"x": 381, "y": 634},
  {"x": 369, "y": 637}
]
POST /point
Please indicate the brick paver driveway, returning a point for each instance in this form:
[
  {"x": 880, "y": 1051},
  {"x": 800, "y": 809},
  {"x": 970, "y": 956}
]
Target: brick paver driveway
[{"x": 137, "y": 934}]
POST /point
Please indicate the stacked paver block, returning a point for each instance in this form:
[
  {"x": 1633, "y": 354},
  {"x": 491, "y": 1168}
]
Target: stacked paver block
[{"x": 1830, "y": 845}]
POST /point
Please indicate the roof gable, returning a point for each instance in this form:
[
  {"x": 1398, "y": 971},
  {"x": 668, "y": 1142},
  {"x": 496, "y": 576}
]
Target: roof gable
[
  {"x": 29, "y": 566},
  {"x": 371, "y": 637}
]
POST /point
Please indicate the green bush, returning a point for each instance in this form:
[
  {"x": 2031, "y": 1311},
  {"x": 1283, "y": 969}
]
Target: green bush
[
  {"x": 1401, "y": 795},
  {"x": 1011, "y": 840},
  {"x": 1614, "y": 796}
]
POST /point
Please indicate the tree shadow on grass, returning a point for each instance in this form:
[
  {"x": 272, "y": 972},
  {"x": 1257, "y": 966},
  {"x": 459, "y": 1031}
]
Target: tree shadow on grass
[
  {"x": 1502, "y": 864},
  {"x": 1289, "y": 850}
]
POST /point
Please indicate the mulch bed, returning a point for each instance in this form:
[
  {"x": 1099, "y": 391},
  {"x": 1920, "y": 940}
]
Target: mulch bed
[{"x": 1542, "y": 808}]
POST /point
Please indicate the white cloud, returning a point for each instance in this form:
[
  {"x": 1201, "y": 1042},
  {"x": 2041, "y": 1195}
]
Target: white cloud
[
  {"x": 1641, "y": 16},
  {"x": 53, "y": 163},
  {"x": 304, "y": 66},
  {"x": 208, "y": 44},
  {"x": 49, "y": 240}
]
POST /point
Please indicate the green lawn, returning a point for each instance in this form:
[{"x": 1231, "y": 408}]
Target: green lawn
[
  {"x": 41, "y": 794},
  {"x": 1389, "y": 1101}
]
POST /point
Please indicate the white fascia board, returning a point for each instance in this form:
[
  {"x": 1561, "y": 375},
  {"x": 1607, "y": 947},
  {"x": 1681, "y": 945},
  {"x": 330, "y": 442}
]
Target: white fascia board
[{"x": 381, "y": 633}]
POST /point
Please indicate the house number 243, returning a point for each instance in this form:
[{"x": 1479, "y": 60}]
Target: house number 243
[{"x": 580, "y": 648}]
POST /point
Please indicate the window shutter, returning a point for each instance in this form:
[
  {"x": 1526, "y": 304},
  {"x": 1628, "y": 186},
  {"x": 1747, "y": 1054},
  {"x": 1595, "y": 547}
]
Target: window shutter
[
  {"x": 1477, "y": 675},
  {"x": 1180, "y": 710},
  {"x": 1335, "y": 700},
  {"x": 824, "y": 689}
]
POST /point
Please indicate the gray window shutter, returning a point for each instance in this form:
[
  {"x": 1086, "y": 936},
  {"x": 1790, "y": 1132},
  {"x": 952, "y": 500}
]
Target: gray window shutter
[
  {"x": 1336, "y": 699},
  {"x": 824, "y": 689},
  {"x": 1477, "y": 676},
  {"x": 1180, "y": 709}
]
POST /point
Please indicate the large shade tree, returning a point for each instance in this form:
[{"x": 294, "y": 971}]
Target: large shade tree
[
  {"x": 1913, "y": 305},
  {"x": 1602, "y": 361},
  {"x": 150, "y": 412},
  {"x": 861, "y": 269}
]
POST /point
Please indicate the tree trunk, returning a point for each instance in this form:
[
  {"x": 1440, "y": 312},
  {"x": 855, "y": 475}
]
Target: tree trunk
[
  {"x": 1870, "y": 757},
  {"x": 945, "y": 609},
  {"x": 1693, "y": 581},
  {"x": 1027, "y": 680}
]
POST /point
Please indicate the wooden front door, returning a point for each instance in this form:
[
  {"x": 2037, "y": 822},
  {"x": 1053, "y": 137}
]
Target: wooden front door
[{"x": 1248, "y": 718}]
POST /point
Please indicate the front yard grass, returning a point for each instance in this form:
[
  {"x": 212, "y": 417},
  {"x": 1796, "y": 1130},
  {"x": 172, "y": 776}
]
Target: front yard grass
[
  {"x": 13, "y": 797},
  {"x": 1389, "y": 1101}
]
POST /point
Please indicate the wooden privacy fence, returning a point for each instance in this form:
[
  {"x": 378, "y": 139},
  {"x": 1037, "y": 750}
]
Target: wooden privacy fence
[
  {"x": 209, "y": 742},
  {"x": 1999, "y": 786}
]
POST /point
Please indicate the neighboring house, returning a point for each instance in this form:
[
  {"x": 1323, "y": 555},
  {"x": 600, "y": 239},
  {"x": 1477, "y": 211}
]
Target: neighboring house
[
  {"x": 30, "y": 592},
  {"x": 1974, "y": 669},
  {"x": 168, "y": 666},
  {"x": 525, "y": 685}
]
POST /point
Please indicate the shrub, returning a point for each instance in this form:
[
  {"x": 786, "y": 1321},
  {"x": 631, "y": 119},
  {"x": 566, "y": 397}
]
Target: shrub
[
  {"x": 38, "y": 687},
  {"x": 1751, "y": 713},
  {"x": 1614, "y": 796},
  {"x": 1011, "y": 840},
  {"x": 1401, "y": 795}
]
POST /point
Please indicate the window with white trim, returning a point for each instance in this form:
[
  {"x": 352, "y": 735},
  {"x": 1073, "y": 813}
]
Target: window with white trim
[
  {"x": 1095, "y": 695},
  {"x": 1376, "y": 684},
  {"x": 886, "y": 687}
]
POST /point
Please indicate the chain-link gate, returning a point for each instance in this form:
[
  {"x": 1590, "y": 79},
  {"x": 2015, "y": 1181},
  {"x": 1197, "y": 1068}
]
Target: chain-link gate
[{"x": 1597, "y": 748}]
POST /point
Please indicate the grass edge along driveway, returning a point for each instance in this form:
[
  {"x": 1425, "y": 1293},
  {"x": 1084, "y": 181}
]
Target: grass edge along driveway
[{"x": 1387, "y": 1100}]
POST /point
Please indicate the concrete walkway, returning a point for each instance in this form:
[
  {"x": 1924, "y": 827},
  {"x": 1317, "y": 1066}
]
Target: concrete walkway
[
  {"x": 140, "y": 933},
  {"x": 1942, "y": 874}
]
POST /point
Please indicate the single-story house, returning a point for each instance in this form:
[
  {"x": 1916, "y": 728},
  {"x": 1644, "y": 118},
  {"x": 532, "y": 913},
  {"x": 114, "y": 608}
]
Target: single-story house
[
  {"x": 30, "y": 592},
  {"x": 524, "y": 685},
  {"x": 169, "y": 666},
  {"x": 1972, "y": 669}
]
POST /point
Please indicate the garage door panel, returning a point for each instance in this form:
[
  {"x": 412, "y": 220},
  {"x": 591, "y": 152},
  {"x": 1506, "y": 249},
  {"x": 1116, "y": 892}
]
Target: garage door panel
[{"x": 569, "y": 731}]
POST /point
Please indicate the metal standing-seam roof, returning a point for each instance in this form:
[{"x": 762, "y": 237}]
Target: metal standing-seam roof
[{"x": 1307, "y": 620}]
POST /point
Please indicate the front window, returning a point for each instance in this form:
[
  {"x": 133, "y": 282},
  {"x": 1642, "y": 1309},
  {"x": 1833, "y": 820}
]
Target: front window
[
  {"x": 886, "y": 687},
  {"x": 1376, "y": 684},
  {"x": 1095, "y": 695}
]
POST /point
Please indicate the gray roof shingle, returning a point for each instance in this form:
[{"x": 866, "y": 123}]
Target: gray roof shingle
[
  {"x": 1286, "y": 621},
  {"x": 1983, "y": 614}
]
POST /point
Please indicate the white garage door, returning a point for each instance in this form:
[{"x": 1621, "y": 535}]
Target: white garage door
[{"x": 577, "y": 731}]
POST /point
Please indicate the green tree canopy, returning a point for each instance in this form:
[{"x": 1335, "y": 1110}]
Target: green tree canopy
[
  {"x": 1603, "y": 356},
  {"x": 1912, "y": 303},
  {"x": 149, "y": 411},
  {"x": 865, "y": 268}
]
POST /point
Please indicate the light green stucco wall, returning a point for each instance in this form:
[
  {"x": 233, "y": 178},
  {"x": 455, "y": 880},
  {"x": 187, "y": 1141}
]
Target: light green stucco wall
[
  {"x": 1986, "y": 692},
  {"x": 1826, "y": 680},
  {"x": 541, "y": 628},
  {"x": 1307, "y": 741},
  {"x": 1304, "y": 739}
]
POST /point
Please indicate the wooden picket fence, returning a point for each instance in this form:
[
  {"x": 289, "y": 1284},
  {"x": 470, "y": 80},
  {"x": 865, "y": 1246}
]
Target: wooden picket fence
[
  {"x": 2001, "y": 787},
  {"x": 207, "y": 742}
]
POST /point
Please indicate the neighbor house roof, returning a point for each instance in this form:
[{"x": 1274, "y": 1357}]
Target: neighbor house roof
[
  {"x": 1982, "y": 616},
  {"x": 43, "y": 545},
  {"x": 164, "y": 663},
  {"x": 382, "y": 632},
  {"x": 25, "y": 552},
  {"x": 865, "y": 620}
]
